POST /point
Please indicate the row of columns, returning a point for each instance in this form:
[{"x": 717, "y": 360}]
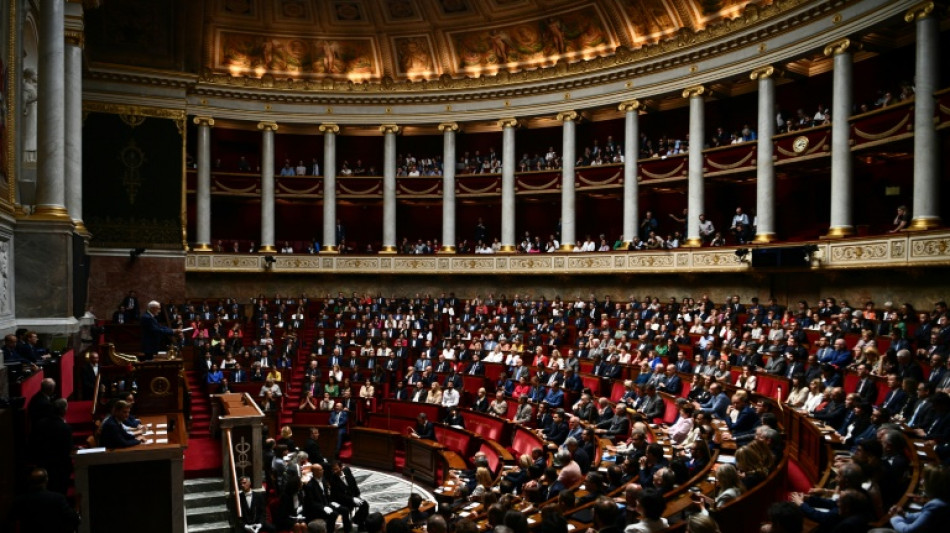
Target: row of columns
[
  {"x": 925, "y": 206},
  {"x": 59, "y": 114}
]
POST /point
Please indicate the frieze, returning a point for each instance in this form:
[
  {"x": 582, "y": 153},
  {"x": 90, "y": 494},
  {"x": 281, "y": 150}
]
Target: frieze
[{"x": 925, "y": 249}]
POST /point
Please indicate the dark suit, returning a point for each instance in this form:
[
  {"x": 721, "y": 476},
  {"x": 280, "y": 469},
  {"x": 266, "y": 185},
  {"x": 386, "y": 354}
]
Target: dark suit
[
  {"x": 114, "y": 435},
  {"x": 673, "y": 385},
  {"x": 317, "y": 501},
  {"x": 52, "y": 443},
  {"x": 41, "y": 407},
  {"x": 425, "y": 430},
  {"x": 44, "y": 511},
  {"x": 867, "y": 389},
  {"x": 256, "y": 512},
  {"x": 345, "y": 492},
  {"x": 153, "y": 335}
]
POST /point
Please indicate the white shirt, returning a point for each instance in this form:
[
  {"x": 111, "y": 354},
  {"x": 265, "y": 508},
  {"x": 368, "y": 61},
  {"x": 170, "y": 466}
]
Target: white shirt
[
  {"x": 706, "y": 228},
  {"x": 450, "y": 397}
]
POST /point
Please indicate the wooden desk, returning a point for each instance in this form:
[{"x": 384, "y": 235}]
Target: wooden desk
[
  {"x": 239, "y": 415},
  {"x": 141, "y": 487},
  {"x": 375, "y": 448}
]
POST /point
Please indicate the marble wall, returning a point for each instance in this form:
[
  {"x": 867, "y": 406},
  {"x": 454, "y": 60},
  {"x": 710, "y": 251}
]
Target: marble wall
[
  {"x": 920, "y": 287},
  {"x": 154, "y": 277},
  {"x": 44, "y": 271}
]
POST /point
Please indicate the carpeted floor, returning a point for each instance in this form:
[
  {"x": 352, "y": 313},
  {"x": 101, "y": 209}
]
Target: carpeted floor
[{"x": 202, "y": 458}]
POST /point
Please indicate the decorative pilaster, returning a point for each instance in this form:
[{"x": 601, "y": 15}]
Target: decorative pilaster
[
  {"x": 448, "y": 130},
  {"x": 329, "y": 131},
  {"x": 508, "y": 126},
  {"x": 267, "y": 187},
  {"x": 697, "y": 193},
  {"x": 74, "y": 41},
  {"x": 926, "y": 210},
  {"x": 203, "y": 192},
  {"x": 841, "y": 220},
  {"x": 568, "y": 196},
  {"x": 51, "y": 108},
  {"x": 631, "y": 152},
  {"x": 764, "y": 166},
  {"x": 389, "y": 132}
]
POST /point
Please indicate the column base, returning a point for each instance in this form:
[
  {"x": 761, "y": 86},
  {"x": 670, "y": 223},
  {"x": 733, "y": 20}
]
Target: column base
[
  {"x": 270, "y": 249},
  {"x": 202, "y": 247},
  {"x": 387, "y": 250},
  {"x": 506, "y": 249},
  {"x": 50, "y": 212},
  {"x": 764, "y": 238},
  {"x": 566, "y": 248},
  {"x": 839, "y": 232},
  {"x": 447, "y": 250},
  {"x": 924, "y": 223},
  {"x": 694, "y": 242},
  {"x": 328, "y": 249},
  {"x": 81, "y": 229}
]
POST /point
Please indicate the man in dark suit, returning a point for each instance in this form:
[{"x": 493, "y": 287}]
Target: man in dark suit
[
  {"x": 673, "y": 383},
  {"x": 866, "y": 388},
  {"x": 424, "y": 429},
  {"x": 41, "y": 405},
  {"x": 312, "y": 447},
  {"x": 51, "y": 444},
  {"x": 896, "y": 398},
  {"x": 43, "y": 510},
  {"x": 253, "y": 511},
  {"x": 476, "y": 368},
  {"x": 338, "y": 419},
  {"x": 131, "y": 305},
  {"x": 345, "y": 496},
  {"x": 114, "y": 434},
  {"x": 88, "y": 374},
  {"x": 153, "y": 333}
]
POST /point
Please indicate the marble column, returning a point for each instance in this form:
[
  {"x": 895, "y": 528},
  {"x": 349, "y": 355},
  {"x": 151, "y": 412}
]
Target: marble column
[
  {"x": 203, "y": 192},
  {"x": 508, "y": 184},
  {"x": 329, "y": 132},
  {"x": 697, "y": 193},
  {"x": 389, "y": 132},
  {"x": 841, "y": 160},
  {"x": 267, "y": 187},
  {"x": 75, "y": 39},
  {"x": 448, "y": 186},
  {"x": 51, "y": 108},
  {"x": 764, "y": 165},
  {"x": 631, "y": 154},
  {"x": 568, "y": 196},
  {"x": 926, "y": 208}
]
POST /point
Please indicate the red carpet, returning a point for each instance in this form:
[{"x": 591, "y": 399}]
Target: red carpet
[{"x": 202, "y": 458}]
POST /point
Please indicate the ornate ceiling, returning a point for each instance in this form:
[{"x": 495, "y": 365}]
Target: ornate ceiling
[{"x": 379, "y": 40}]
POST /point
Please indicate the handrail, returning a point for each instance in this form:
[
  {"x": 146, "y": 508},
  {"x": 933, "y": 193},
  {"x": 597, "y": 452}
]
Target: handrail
[
  {"x": 233, "y": 470},
  {"x": 95, "y": 394}
]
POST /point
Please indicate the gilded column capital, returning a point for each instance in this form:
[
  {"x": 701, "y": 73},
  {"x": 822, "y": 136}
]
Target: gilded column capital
[
  {"x": 630, "y": 105},
  {"x": 695, "y": 91},
  {"x": 75, "y": 37},
  {"x": 267, "y": 125},
  {"x": 762, "y": 73},
  {"x": 508, "y": 123},
  {"x": 329, "y": 127},
  {"x": 920, "y": 11},
  {"x": 839, "y": 47},
  {"x": 389, "y": 128},
  {"x": 567, "y": 116},
  {"x": 203, "y": 120},
  {"x": 449, "y": 126}
]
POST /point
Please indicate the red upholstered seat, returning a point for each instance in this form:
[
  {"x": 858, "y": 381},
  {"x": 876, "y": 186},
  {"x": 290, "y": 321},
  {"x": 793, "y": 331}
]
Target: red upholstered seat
[
  {"x": 671, "y": 412},
  {"x": 454, "y": 440},
  {"x": 593, "y": 383},
  {"x": 616, "y": 391},
  {"x": 492, "y": 456},
  {"x": 524, "y": 441}
]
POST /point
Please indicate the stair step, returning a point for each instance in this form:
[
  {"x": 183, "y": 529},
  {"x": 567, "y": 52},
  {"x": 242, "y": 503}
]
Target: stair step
[
  {"x": 204, "y": 484},
  {"x": 204, "y": 499},
  {"x": 205, "y": 515},
  {"x": 210, "y": 527}
]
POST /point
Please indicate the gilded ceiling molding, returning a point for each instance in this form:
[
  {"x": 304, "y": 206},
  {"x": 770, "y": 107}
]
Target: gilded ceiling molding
[
  {"x": 630, "y": 105},
  {"x": 508, "y": 123},
  {"x": 389, "y": 128},
  {"x": 838, "y": 47},
  {"x": 329, "y": 127},
  {"x": 449, "y": 126},
  {"x": 203, "y": 120},
  {"x": 752, "y": 15},
  {"x": 125, "y": 109},
  {"x": 920, "y": 11},
  {"x": 267, "y": 125},
  {"x": 762, "y": 73},
  {"x": 696, "y": 90},
  {"x": 568, "y": 116}
]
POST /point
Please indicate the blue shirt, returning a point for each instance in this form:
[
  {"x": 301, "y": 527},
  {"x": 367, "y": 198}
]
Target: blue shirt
[
  {"x": 716, "y": 405},
  {"x": 554, "y": 398}
]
